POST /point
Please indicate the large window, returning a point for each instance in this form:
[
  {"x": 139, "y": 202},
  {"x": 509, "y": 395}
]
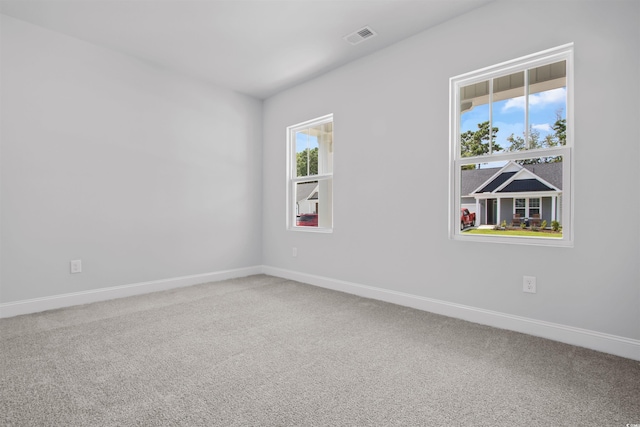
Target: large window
[
  {"x": 310, "y": 175},
  {"x": 511, "y": 150}
]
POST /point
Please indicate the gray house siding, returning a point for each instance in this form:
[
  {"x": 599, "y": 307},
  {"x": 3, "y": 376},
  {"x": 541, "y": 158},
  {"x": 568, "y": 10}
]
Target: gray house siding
[{"x": 506, "y": 211}]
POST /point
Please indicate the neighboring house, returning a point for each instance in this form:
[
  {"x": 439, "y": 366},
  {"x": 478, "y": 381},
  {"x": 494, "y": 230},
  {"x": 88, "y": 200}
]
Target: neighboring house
[
  {"x": 497, "y": 194},
  {"x": 307, "y": 197}
]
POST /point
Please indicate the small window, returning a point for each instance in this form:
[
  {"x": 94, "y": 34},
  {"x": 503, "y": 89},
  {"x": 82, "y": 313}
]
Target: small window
[
  {"x": 527, "y": 207},
  {"x": 310, "y": 175},
  {"x": 511, "y": 150},
  {"x": 520, "y": 207}
]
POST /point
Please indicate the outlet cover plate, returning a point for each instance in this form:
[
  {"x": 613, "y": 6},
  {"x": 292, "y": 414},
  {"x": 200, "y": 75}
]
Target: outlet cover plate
[
  {"x": 529, "y": 284},
  {"x": 76, "y": 266}
]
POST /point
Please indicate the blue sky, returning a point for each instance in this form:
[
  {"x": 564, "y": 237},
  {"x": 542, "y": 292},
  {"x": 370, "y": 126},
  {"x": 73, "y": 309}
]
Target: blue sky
[
  {"x": 304, "y": 140},
  {"x": 508, "y": 115}
]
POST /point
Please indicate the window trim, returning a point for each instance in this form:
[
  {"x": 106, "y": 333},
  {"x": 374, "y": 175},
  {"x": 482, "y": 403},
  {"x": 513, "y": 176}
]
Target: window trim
[
  {"x": 527, "y": 205},
  {"x": 293, "y": 179},
  {"x": 549, "y": 56}
]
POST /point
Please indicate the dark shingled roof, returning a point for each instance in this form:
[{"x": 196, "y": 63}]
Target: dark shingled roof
[
  {"x": 473, "y": 178},
  {"x": 524, "y": 185},
  {"x": 500, "y": 179},
  {"x": 550, "y": 172}
]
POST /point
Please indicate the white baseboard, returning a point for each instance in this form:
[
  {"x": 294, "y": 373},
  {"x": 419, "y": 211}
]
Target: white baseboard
[
  {"x": 612, "y": 344},
  {"x": 607, "y": 343},
  {"x": 66, "y": 300}
]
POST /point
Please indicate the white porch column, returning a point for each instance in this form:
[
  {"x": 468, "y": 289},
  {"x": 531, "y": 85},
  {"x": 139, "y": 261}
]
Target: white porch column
[
  {"x": 498, "y": 213},
  {"x": 553, "y": 207},
  {"x": 478, "y": 214}
]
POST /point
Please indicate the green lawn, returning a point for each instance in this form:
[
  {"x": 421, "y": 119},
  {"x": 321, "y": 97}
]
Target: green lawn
[{"x": 521, "y": 232}]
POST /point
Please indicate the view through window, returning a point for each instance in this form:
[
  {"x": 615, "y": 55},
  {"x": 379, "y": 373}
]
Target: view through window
[
  {"x": 310, "y": 192},
  {"x": 511, "y": 150}
]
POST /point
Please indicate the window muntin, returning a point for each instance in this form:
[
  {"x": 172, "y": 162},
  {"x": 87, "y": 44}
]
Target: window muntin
[
  {"x": 527, "y": 207},
  {"x": 310, "y": 175},
  {"x": 516, "y": 114},
  {"x": 534, "y": 207},
  {"x": 507, "y": 116},
  {"x": 520, "y": 207}
]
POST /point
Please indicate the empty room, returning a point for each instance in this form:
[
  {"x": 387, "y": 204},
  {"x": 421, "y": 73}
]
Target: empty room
[{"x": 319, "y": 213}]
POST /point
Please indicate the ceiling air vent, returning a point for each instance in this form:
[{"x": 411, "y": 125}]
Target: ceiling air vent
[{"x": 361, "y": 35}]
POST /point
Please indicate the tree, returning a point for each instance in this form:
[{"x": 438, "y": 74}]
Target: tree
[
  {"x": 558, "y": 138},
  {"x": 307, "y": 157},
  {"x": 560, "y": 128},
  {"x": 518, "y": 144},
  {"x": 479, "y": 142}
]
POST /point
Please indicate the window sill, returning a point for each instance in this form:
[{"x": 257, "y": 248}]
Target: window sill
[
  {"x": 528, "y": 241},
  {"x": 311, "y": 229}
]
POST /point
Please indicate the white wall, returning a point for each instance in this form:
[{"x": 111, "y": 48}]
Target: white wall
[
  {"x": 391, "y": 148},
  {"x": 142, "y": 174},
  {"x": 146, "y": 175}
]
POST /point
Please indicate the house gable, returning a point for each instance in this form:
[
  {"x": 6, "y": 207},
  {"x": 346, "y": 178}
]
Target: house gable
[
  {"x": 525, "y": 181},
  {"x": 305, "y": 190},
  {"x": 514, "y": 178}
]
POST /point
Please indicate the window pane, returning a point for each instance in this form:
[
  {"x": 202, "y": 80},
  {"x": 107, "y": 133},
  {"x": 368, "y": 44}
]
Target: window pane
[
  {"x": 520, "y": 208},
  {"x": 495, "y": 192},
  {"x": 508, "y": 112},
  {"x": 313, "y": 203},
  {"x": 474, "y": 120},
  {"x": 548, "y": 105},
  {"x": 324, "y": 134},
  {"x": 306, "y": 153},
  {"x": 314, "y": 150}
]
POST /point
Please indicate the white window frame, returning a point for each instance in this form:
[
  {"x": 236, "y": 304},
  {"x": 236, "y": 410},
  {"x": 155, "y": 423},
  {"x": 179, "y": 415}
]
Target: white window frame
[
  {"x": 456, "y": 161},
  {"x": 522, "y": 208},
  {"x": 293, "y": 179},
  {"x": 527, "y": 206}
]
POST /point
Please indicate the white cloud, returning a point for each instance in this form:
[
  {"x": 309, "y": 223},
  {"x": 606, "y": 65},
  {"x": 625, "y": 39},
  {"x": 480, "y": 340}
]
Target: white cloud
[
  {"x": 553, "y": 96},
  {"x": 514, "y": 103},
  {"x": 542, "y": 99},
  {"x": 544, "y": 127}
]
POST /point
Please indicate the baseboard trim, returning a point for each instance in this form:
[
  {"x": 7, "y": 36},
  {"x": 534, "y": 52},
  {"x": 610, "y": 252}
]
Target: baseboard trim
[
  {"x": 612, "y": 344},
  {"x": 607, "y": 343},
  {"x": 35, "y": 305}
]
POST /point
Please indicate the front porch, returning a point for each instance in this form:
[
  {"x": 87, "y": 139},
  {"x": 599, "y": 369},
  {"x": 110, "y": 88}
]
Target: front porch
[{"x": 493, "y": 211}]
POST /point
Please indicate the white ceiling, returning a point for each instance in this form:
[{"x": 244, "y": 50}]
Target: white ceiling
[{"x": 257, "y": 47}]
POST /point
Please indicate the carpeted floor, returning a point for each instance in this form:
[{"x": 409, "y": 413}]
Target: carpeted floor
[{"x": 264, "y": 351}]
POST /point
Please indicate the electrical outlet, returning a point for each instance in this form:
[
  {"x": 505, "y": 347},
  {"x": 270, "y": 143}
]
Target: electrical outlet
[
  {"x": 294, "y": 252},
  {"x": 76, "y": 266},
  {"x": 529, "y": 284}
]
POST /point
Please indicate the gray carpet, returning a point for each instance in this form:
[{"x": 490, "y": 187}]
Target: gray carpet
[{"x": 264, "y": 351}]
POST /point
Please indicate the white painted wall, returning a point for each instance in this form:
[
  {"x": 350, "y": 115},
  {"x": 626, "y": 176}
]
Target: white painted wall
[
  {"x": 143, "y": 174},
  {"x": 146, "y": 175},
  {"x": 391, "y": 148}
]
